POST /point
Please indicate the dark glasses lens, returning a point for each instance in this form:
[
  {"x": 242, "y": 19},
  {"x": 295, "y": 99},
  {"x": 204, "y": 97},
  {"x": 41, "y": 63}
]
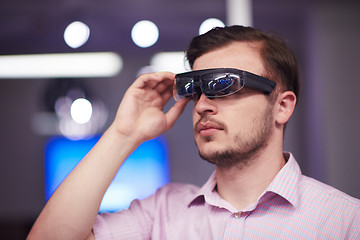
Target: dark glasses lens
[
  {"x": 218, "y": 82},
  {"x": 184, "y": 87}
]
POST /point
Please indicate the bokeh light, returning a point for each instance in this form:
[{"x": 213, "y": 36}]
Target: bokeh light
[
  {"x": 76, "y": 34},
  {"x": 81, "y": 110},
  {"x": 209, "y": 24},
  {"x": 145, "y": 33}
]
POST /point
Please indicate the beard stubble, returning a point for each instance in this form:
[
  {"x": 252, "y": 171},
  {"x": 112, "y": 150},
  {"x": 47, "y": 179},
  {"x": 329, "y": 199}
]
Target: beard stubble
[{"x": 247, "y": 144}]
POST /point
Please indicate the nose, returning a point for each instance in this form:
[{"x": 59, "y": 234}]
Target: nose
[{"x": 205, "y": 105}]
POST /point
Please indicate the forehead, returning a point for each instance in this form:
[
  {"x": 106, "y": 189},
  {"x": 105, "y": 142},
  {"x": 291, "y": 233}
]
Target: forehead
[{"x": 240, "y": 55}]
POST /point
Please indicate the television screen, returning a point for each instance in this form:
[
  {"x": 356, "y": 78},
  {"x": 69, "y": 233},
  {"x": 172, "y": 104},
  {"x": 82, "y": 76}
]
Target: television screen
[{"x": 145, "y": 170}]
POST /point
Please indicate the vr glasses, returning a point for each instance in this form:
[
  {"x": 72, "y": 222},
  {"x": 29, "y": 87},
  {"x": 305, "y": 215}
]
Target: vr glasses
[{"x": 218, "y": 82}]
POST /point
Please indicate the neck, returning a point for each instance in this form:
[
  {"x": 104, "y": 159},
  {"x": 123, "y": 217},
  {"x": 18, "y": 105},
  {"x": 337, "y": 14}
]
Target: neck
[{"x": 243, "y": 185}]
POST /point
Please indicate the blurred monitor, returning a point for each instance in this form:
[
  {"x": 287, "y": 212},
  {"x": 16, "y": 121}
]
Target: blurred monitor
[{"x": 146, "y": 169}]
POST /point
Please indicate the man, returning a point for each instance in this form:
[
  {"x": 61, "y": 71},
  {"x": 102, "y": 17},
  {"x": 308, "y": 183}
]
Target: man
[{"x": 244, "y": 86}]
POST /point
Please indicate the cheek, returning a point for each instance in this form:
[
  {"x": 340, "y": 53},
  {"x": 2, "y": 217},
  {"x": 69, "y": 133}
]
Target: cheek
[{"x": 241, "y": 119}]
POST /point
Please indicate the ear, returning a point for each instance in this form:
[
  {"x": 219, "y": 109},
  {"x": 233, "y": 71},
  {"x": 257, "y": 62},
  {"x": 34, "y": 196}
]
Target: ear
[{"x": 285, "y": 103}]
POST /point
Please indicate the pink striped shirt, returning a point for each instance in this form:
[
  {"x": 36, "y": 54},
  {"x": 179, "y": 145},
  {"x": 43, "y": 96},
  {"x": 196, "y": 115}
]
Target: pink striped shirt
[{"x": 292, "y": 207}]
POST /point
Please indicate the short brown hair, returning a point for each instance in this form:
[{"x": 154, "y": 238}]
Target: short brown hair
[{"x": 280, "y": 62}]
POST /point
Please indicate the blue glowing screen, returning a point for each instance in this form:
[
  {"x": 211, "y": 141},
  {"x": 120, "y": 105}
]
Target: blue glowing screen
[{"x": 145, "y": 170}]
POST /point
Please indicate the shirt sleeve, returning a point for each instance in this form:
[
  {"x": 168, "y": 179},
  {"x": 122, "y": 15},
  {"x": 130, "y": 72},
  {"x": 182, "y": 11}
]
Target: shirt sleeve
[
  {"x": 134, "y": 223},
  {"x": 145, "y": 218}
]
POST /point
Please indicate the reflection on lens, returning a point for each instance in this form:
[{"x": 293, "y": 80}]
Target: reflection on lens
[
  {"x": 185, "y": 87},
  {"x": 214, "y": 84},
  {"x": 219, "y": 85}
]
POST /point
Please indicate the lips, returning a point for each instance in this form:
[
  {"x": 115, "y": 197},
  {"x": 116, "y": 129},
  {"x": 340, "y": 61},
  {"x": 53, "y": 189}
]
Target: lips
[{"x": 208, "y": 128}]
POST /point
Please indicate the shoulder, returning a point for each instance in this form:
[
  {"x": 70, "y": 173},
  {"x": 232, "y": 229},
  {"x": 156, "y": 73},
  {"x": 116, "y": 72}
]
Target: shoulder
[
  {"x": 171, "y": 193},
  {"x": 320, "y": 189},
  {"x": 177, "y": 190},
  {"x": 330, "y": 207},
  {"x": 324, "y": 199},
  {"x": 167, "y": 201},
  {"x": 180, "y": 188},
  {"x": 311, "y": 191}
]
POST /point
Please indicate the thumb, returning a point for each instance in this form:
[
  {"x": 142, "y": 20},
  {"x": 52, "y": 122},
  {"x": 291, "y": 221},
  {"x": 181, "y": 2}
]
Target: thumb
[{"x": 175, "y": 111}]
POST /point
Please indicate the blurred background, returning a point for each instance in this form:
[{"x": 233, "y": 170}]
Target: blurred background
[{"x": 323, "y": 134}]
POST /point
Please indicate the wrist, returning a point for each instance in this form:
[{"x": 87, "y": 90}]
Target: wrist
[{"x": 123, "y": 135}]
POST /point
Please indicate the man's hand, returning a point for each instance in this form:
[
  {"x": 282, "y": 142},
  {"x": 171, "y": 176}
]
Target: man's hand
[
  {"x": 140, "y": 114},
  {"x": 71, "y": 211}
]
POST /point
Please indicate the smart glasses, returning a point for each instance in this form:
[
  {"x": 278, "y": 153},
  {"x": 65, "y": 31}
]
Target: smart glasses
[{"x": 218, "y": 82}]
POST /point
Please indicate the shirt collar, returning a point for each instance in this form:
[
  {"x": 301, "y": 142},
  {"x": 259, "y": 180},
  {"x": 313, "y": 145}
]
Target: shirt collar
[
  {"x": 207, "y": 193},
  {"x": 285, "y": 184},
  {"x": 208, "y": 189}
]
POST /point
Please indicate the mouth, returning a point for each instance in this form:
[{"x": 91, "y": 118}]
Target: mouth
[{"x": 206, "y": 129}]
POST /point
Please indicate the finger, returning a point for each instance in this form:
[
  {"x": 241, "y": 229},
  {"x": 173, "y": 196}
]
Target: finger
[
  {"x": 167, "y": 93},
  {"x": 165, "y": 89},
  {"x": 175, "y": 111},
  {"x": 164, "y": 86},
  {"x": 151, "y": 80}
]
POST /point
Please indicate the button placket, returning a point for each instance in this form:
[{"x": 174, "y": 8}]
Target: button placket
[{"x": 235, "y": 226}]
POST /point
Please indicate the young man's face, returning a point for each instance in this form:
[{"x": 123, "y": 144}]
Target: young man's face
[{"x": 232, "y": 129}]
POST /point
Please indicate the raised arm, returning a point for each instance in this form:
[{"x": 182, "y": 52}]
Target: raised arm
[{"x": 71, "y": 211}]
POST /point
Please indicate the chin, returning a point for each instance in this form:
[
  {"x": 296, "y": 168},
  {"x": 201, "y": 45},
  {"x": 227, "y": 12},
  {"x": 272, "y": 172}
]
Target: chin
[{"x": 208, "y": 147}]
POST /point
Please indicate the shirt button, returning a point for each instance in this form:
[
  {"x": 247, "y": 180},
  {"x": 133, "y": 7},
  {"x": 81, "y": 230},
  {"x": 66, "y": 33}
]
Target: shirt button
[{"x": 237, "y": 215}]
